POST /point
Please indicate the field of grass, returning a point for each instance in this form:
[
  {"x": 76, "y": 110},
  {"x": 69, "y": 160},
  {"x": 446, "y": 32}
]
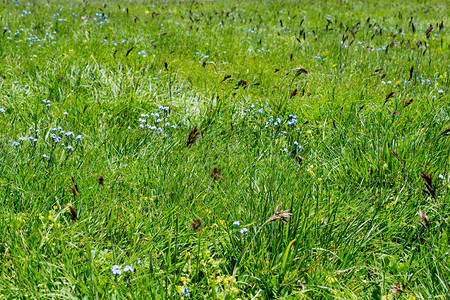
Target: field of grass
[{"x": 224, "y": 150}]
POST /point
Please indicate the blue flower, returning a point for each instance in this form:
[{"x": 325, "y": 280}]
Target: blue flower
[
  {"x": 53, "y": 136},
  {"x": 58, "y": 139},
  {"x": 44, "y": 156},
  {"x": 244, "y": 231},
  {"x": 440, "y": 91},
  {"x": 441, "y": 177},
  {"x": 292, "y": 122},
  {"x": 15, "y": 144},
  {"x": 185, "y": 292},
  {"x": 78, "y": 137},
  {"x": 128, "y": 269},
  {"x": 259, "y": 111},
  {"x": 116, "y": 270},
  {"x": 70, "y": 148},
  {"x": 2, "y": 110},
  {"x": 236, "y": 223}
]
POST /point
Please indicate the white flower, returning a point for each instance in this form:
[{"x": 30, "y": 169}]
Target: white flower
[
  {"x": 128, "y": 269},
  {"x": 116, "y": 270}
]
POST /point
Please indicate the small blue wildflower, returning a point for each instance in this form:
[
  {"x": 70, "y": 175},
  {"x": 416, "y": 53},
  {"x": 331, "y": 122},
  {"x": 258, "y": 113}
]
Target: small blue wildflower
[
  {"x": 70, "y": 148},
  {"x": 174, "y": 126},
  {"x": 78, "y": 137},
  {"x": 184, "y": 292},
  {"x": 440, "y": 91},
  {"x": 236, "y": 223},
  {"x": 139, "y": 261},
  {"x": 244, "y": 231},
  {"x": 167, "y": 124},
  {"x": 441, "y": 177},
  {"x": 292, "y": 122},
  {"x": 158, "y": 120},
  {"x": 58, "y": 139},
  {"x": 44, "y": 156},
  {"x": 128, "y": 269},
  {"x": 65, "y": 113},
  {"x": 116, "y": 270},
  {"x": 259, "y": 111},
  {"x": 277, "y": 122},
  {"x": 2, "y": 110},
  {"x": 53, "y": 136},
  {"x": 15, "y": 144}
]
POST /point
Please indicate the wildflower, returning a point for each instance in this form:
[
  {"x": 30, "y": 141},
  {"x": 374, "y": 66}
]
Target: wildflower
[
  {"x": 128, "y": 269},
  {"x": 116, "y": 270},
  {"x": 185, "y": 292},
  {"x": 441, "y": 177},
  {"x": 78, "y": 137},
  {"x": 53, "y": 136},
  {"x": 277, "y": 122},
  {"x": 65, "y": 113},
  {"x": 244, "y": 231},
  {"x": 15, "y": 144},
  {"x": 292, "y": 122},
  {"x": 259, "y": 111},
  {"x": 299, "y": 147},
  {"x": 44, "y": 156},
  {"x": 139, "y": 261},
  {"x": 236, "y": 223},
  {"x": 70, "y": 148},
  {"x": 58, "y": 139},
  {"x": 440, "y": 91},
  {"x": 2, "y": 110}
]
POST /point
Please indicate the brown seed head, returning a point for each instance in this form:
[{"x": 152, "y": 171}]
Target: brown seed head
[
  {"x": 196, "y": 225},
  {"x": 282, "y": 215}
]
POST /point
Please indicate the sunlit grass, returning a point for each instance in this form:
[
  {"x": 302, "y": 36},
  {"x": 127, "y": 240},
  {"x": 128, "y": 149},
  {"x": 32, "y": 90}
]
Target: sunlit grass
[{"x": 157, "y": 151}]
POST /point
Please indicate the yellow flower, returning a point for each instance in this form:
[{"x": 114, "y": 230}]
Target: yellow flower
[{"x": 147, "y": 12}]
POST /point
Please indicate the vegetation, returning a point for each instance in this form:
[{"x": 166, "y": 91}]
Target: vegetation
[{"x": 224, "y": 150}]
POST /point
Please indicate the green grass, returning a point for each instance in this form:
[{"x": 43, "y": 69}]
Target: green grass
[{"x": 351, "y": 166}]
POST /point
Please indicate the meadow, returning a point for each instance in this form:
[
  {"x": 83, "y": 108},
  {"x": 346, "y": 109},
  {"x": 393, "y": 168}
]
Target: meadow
[{"x": 224, "y": 149}]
